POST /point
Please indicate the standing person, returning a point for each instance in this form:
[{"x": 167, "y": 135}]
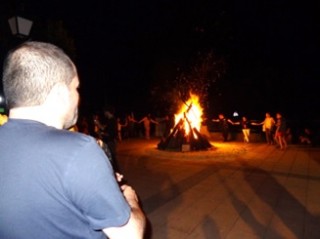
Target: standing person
[
  {"x": 268, "y": 126},
  {"x": 55, "y": 184},
  {"x": 281, "y": 131},
  {"x": 131, "y": 125},
  {"x": 99, "y": 134},
  {"x": 245, "y": 127},
  {"x": 107, "y": 132},
  {"x": 147, "y": 120},
  {"x": 224, "y": 126},
  {"x": 120, "y": 127},
  {"x": 168, "y": 122},
  {"x": 110, "y": 134}
]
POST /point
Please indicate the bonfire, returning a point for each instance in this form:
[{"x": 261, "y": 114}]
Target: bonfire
[{"x": 185, "y": 135}]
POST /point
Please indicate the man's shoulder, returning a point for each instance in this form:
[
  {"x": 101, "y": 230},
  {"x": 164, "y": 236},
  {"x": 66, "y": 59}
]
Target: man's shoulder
[
  {"x": 70, "y": 137},
  {"x": 70, "y": 145}
]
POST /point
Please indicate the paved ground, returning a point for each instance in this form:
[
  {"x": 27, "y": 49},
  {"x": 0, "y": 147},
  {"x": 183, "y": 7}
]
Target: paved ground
[{"x": 236, "y": 191}]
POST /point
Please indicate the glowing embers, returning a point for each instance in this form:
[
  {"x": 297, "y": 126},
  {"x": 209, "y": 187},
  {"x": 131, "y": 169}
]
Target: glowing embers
[{"x": 185, "y": 135}]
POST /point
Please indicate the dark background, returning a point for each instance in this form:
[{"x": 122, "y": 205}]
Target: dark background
[{"x": 124, "y": 48}]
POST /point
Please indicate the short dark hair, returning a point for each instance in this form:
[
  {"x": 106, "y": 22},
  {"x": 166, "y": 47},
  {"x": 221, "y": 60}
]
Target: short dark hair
[{"x": 31, "y": 70}]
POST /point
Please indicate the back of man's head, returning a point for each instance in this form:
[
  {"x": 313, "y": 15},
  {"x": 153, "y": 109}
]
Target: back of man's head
[{"x": 31, "y": 70}]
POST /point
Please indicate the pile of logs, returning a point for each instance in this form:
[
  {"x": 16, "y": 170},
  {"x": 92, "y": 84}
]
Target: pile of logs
[{"x": 178, "y": 140}]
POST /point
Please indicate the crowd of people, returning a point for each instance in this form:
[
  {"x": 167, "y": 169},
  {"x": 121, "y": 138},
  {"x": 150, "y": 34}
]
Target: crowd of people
[
  {"x": 276, "y": 130},
  {"x": 125, "y": 127},
  {"x": 110, "y": 129}
]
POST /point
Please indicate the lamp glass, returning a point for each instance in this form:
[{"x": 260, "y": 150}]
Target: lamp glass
[{"x": 20, "y": 26}]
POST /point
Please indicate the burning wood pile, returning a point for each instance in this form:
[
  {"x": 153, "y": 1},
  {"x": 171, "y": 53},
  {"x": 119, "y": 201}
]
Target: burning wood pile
[{"x": 185, "y": 135}]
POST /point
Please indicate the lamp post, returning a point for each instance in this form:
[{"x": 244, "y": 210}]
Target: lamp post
[
  {"x": 2, "y": 105},
  {"x": 19, "y": 26}
]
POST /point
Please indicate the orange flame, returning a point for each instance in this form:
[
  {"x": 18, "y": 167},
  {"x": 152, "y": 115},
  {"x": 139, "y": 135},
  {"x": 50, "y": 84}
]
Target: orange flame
[{"x": 192, "y": 118}]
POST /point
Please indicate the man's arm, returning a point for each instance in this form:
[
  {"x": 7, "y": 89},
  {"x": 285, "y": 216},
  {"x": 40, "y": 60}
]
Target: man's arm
[
  {"x": 231, "y": 122},
  {"x": 154, "y": 121},
  {"x": 134, "y": 228},
  {"x": 254, "y": 123}
]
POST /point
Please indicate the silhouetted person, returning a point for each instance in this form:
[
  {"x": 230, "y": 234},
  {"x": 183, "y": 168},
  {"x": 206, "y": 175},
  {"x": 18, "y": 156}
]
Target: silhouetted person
[
  {"x": 110, "y": 134},
  {"x": 268, "y": 126},
  {"x": 307, "y": 136},
  {"x": 131, "y": 128},
  {"x": 147, "y": 121},
  {"x": 281, "y": 130},
  {"x": 224, "y": 126},
  {"x": 245, "y": 127}
]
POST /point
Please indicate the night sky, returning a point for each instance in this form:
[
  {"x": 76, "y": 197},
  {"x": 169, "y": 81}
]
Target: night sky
[{"x": 270, "y": 49}]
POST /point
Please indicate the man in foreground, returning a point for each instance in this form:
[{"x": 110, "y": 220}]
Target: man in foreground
[{"x": 55, "y": 183}]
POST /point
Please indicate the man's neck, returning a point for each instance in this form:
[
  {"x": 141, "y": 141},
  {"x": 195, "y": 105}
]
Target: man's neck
[{"x": 36, "y": 113}]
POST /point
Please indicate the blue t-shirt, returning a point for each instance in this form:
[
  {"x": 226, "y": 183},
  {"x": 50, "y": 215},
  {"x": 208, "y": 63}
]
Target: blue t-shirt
[{"x": 55, "y": 184}]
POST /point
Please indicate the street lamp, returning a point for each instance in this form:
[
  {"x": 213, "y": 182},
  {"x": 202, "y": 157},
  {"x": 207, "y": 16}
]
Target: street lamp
[
  {"x": 20, "y": 26},
  {"x": 2, "y": 103}
]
